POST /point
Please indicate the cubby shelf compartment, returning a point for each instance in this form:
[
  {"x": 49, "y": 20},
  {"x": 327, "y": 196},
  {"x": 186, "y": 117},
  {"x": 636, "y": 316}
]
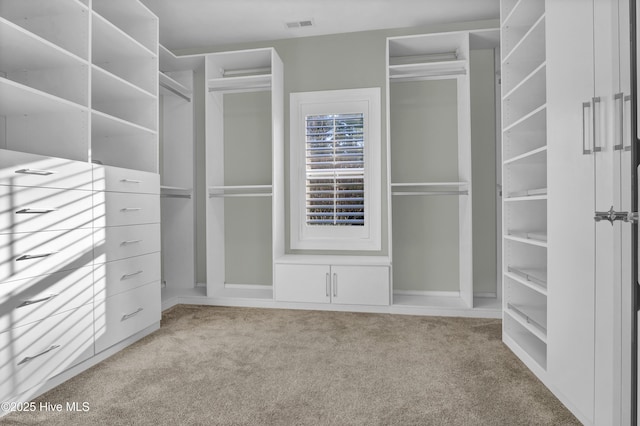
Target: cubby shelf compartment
[
  {"x": 175, "y": 192},
  {"x": 105, "y": 125},
  {"x": 426, "y": 70},
  {"x": 525, "y": 57},
  {"x": 524, "y": 14},
  {"x": 527, "y": 344},
  {"x": 132, "y": 18},
  {"x": 527, "y": 96},
  {"x": 18, "y": 99},
  {"x": 530, "y": 317},
  {"x": 26, "y": 58},
  {"x": 122, "y": 55},
  {"x": 430, "y": 188},
  {"x": 64, "y": 23}
]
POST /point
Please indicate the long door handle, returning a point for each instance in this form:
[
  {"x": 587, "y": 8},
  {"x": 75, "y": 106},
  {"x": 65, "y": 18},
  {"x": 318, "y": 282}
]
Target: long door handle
[
  {"x": 619, "y": 118},
  {"x": 596, "y": 120},
  {"x": 586, "y": 128},
  {"x": 327, "y": 282},
  {"x": 335, "y": 285}
]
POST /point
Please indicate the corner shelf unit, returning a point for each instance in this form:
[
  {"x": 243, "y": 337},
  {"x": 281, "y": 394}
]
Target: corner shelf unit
[
  {"x": 430, "y": 183},
  {"x": 176, "y": 80},
  {"x": 524, "y": 171},
  {"x": 245, "y": 173}
]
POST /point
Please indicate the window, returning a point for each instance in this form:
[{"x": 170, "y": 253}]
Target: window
[{"x": 335, "y": 170}]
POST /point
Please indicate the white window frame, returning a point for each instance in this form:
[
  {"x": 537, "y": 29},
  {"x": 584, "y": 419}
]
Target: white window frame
[{"x": 367, "y": 237}]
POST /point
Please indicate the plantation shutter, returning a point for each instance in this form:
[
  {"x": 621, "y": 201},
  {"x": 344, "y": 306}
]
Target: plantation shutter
[{"x": 335, "y": 170}]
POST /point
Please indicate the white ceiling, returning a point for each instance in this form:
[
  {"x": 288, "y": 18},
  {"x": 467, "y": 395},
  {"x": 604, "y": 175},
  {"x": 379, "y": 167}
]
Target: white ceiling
[{"x": 208, "y": 23}]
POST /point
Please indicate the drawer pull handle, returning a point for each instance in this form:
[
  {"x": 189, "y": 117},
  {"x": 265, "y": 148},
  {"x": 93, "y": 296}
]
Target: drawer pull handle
[
  {"x": 35, "y": 172},
  {"x": 35, "y": 256},
  {"x": 33, "y": 302},
  {"x": 129, "y": 242},
  {"x": 127, "y": 276},
  {"x": 130, "y": 209},
  {"x": 132, "y": 314},
  {"x": 35, "y": 211},
  {"x": 29, "y": 358},
  {"x": 130, "y": 181}
]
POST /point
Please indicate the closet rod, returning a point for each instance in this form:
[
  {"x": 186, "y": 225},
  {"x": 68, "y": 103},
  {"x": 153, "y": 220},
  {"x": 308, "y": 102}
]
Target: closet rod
[
  {"x": 175, "y": 92},
  {"x": 265, "y": 194},
  {"x": 453, "y": 73},
  {"x": 175, "y": 196},
  {"x": 430, "y": 193}
]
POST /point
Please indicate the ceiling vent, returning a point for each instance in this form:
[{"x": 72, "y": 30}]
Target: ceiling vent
[{"x": 300, "y": 24}]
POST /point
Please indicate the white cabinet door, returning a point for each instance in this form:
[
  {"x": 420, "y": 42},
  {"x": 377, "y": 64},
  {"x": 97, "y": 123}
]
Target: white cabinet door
[
  {"x": 571, "y": 255},
  {"x": 360, "y": 285},
  {"x": 303, "y": 283}
]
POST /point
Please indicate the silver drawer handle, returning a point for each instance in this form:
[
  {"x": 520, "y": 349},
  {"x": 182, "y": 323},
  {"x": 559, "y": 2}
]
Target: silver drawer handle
[
  {"x": 127, "y": 316},
  {"x": 33, "y": 302},
  {"x": 130, "y": 209},
  {"x": 29, "y": 358},
  {"x": 35, "y": 256},
  {"x": 35, "y": 172},
  {"x": 130, "y": 181},
  {"x": 127, "y": 276},
  {"x": 35, "y": 211},
  {"x": 129, "y": 242}
]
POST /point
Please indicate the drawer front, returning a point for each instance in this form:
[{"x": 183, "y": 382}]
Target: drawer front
[
  {"x": 22, "y": 169},
  {"x": 122, "y": 275},
  {"x": 128, "y": 209},
  {"x": 31, "y": 354},
  {"x": 125, "y": 314},
  {"x": 25, "y": 209},
  {"x": 34, "y": 299},
  {"x": 28, "y": 255},
  {"x": 121, "y": 242},
  {"x": 116, "y": 179},
  {"x": 302, "y": 283},
  {"x": 360, "y": 285}
]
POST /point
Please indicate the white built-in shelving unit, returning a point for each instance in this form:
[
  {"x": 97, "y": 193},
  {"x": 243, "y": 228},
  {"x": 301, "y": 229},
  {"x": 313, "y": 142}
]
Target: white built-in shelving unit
[
  {"x": 245, "y": 174},
  {"x": 176, "y": 79},
  {"x": 524, "y": 153},
  {"x": 425, "y": 192}
]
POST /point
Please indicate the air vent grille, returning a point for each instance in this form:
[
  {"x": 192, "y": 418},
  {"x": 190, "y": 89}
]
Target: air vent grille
[{"x": 300, "y": 24}]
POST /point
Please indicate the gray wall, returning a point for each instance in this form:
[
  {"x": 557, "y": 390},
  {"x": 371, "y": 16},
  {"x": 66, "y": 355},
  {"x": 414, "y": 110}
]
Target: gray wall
[{"x": 342, "y": 61}]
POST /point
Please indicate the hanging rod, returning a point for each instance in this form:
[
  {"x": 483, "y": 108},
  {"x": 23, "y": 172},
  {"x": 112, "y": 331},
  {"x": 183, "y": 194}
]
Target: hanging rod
[
  {"x": 175, "y": 196},
  {"x": 175, "y": 92},
  {"x": 260, "y": 194},
  {"x": 430, "y": 193},
  {"x": 445, "y": 73}
]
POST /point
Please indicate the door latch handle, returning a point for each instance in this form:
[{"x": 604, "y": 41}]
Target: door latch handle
[{"x": 613, "y": 215}]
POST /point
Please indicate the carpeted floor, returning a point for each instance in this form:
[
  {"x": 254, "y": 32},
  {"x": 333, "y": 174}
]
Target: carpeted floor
[{"x": 243, "y": 366}]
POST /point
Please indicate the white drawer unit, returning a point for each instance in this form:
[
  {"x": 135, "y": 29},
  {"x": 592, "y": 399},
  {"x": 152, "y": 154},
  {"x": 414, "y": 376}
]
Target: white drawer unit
[
  {"x": 33, "y": 299},
  {"x": 121, "y": 242},
  {"x": 116, "y": 179},
  {"x": 123, "y": 275},
  {"x": 338, "y": 284},
  {"x": 22, "y": 169},
  {"x": 119, "y": 208},
  {"x": 31, "y": 354},
  {"x": 29, "y": 209},
  {"x": 28, "y": 255},
  {"x": 125, "y": 314}
]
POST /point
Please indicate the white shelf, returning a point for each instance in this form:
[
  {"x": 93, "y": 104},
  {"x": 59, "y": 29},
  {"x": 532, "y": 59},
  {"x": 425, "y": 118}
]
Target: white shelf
[
  {"x": 170, "y": 62},
  {"x": 522, "y": 17},
  {"x": 523, "y": 123},
  {"x": 535, "y": 81},
  {"x": 231, "y": 191},
  {"x": 301, "y": 259},
  {"x": 524, "y": 58},
  {"x": 246, "y": 83},
  {"x": 535, "y": 156},
  {"x": 535, "y": 279},
  {"x": 108, "y": 87},
  {"x": 175, "y": 192},
  {"x": 527, "y": 96},
  {"x": 105, "y": 125},
  {"x": 429, "y": 301},
  {"x": 532, "y": 39},
  {"x": 414, "y": 184},
  {"x": 110, "y": 42},
  {"x": 171, "y": 87},
  {"x": 531, "y": 318},
  {"x": 535, "y": 239},
  {"x": 528, "y": 193},
  {"x": 18, "y": 99},
  {"x": 526, "y": 343}
]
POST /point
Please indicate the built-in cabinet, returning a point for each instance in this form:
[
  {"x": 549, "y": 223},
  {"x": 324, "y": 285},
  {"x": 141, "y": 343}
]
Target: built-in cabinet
[
  {"x": 79, "y": 190},
  {"x": 564, "y": 126}
]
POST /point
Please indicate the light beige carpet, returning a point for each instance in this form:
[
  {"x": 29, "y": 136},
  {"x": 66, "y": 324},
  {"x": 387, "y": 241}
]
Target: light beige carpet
[{"x": 243, "y": 366}]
